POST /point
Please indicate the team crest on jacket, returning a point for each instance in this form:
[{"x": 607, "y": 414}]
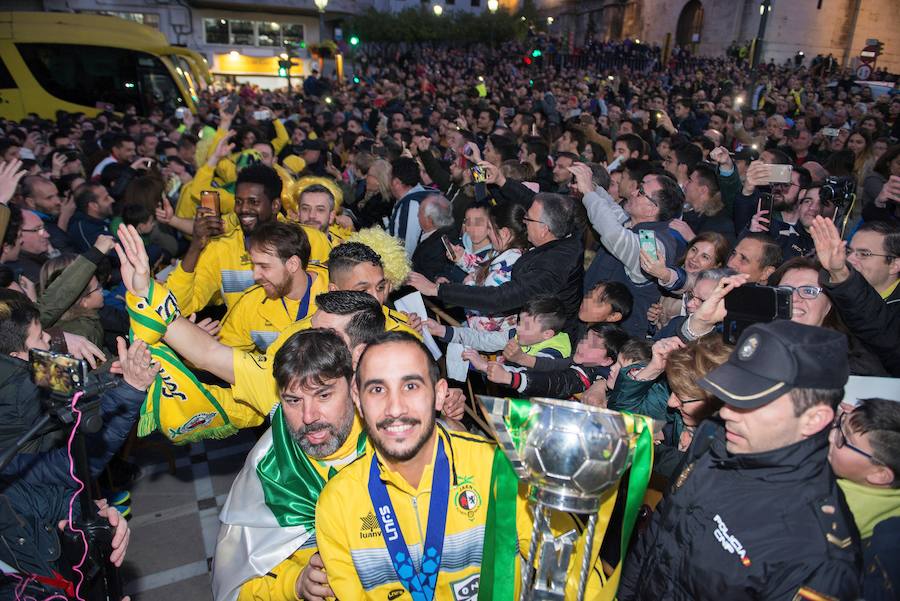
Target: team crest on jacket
[{"x": 468, "y": 500}]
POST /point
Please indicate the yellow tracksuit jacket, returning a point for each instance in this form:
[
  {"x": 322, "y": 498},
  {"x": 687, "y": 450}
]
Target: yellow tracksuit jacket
[
  {"x": 225, "y": 270},
  {"x": 256, "y": 321},
  {"x": 254, "y": 384},
  {"x": 350, "y": 541}
]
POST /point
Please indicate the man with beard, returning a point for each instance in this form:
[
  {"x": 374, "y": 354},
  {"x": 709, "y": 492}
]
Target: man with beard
[
  {"x": 217, "y": 264},
  {"x": 758, "y": 184},
  {"x": 267, "y": 542},
  {"x": 370, "y": 519},
  {"x": 317, "y": 210},
  {"x": 284, "y": 288}
]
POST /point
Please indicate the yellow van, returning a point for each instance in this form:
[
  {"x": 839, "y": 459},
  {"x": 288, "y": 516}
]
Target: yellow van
[{"x": 90, "y": 63}]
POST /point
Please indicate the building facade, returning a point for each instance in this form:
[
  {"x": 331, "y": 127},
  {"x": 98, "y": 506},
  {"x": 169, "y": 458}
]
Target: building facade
[
  {"x": 837, "y": 27},
  {"x": 241, "y": 41}
]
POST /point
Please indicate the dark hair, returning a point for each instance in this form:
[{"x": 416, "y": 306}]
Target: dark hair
[
  {"x": 135, "y": 213},
  {"x": 708, "y": 177},
  {"x": 13, "y": 227},
  {"x": 119, "y": 140},
  {"x": 17, "y": 313},
  {"x": 688, "y": 155},
  {"x": 507, "y": 147},
  {"x": 367, "y": 322},
  {"x": 548, "y": 311},
  {"x": 883, "y": 164},
  {"x": 406, "y": 170},
  {"x": 880, "y": 419},
  {"x": 840, "y": 163},
  {"x": 771, "y": 254},
  {"x": 720, "y": 243},
  {"x": 536, "y": 146},
  {"x": 265, "y": 176},
  {"x": 669, "y": 198},
  {"x": 84, "y": 195},
  {"x": 637, "y": 169},
  {"x": 891, "y": 233},
  {"x": 146, "y": 190},
  {"x": 577, "y": 136},
  {"x": 558, "y": 213},
  {"x": 686, "y": 103},
  {"x": 309, "y": 357},
  {"x": 617, "y": 295},
  {"x": 434, "y": 372},
  {"x": 286, "y": 240},
  {"x": 598, "y": 151},
  {"x": 633, "y": 142},
  {"x": 348, "y": 255},
  {"x": 804, "y": 398},
  {"x": 636, "y": 351},
  {"x": 613, "y": 336}
]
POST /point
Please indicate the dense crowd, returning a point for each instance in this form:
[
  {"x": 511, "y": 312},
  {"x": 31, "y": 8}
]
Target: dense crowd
[{"x": 711, "y": 246}]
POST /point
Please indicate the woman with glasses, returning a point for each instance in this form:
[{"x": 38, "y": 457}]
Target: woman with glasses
[
  {"x": 811, "y": 306},
  {"x": 865, "y": 456}
]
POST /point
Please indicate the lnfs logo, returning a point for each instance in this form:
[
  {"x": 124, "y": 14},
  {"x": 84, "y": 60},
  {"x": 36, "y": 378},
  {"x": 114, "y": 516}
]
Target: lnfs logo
[{"x": 390, "y": 529}]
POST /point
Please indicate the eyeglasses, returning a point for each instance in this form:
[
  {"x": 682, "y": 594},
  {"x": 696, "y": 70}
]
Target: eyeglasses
[
  {"x": 690, "y": 296},
  {"x": 40, "y": 228},
  {"x": 840, "y": 440},
  {"x": 862, "y": 253},
  {"x": 807, "y": 292},
  {"x": 532, "y": 220},
  {"x": 641, "y": 192}
]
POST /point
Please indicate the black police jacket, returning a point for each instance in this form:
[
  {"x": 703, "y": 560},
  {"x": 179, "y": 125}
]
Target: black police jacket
[{"x": 754, "y": 526}]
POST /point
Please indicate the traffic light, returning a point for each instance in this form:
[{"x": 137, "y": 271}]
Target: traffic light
[
  {"x": 527, "y": 60},
  {"x": 354, "y": 40},
  {"x": 536, "y": 53},
  {"x": 355, "y": 79},
  {"x": 880, "y": 49}
]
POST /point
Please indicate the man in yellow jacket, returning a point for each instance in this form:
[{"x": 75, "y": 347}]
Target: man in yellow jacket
[
  {"x": 284, "y": 292},
  {"x": 217, "y": 263},
  {"x": 408, "y": 521}
]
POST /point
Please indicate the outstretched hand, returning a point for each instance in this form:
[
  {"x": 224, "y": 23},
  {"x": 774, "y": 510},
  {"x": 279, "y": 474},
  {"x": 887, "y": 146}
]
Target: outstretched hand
[
  {"x": 830, "y": 248},
  {"x": 134, "y": 261}
]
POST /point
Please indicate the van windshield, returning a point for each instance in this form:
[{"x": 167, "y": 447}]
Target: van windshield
[{"x": 103, "y": 77}]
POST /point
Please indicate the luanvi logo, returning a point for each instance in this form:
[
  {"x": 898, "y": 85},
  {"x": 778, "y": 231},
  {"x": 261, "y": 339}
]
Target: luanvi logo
[{"x": 369, "y": 528}]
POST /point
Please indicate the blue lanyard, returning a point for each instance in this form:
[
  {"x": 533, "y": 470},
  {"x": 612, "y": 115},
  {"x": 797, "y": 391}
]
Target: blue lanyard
[
  {"x": 421, "y": 585},
  {"x": 303, "y": 309}
]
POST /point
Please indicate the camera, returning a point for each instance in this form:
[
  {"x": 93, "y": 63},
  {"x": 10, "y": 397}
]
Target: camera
[{"x": 841, "y": 193}]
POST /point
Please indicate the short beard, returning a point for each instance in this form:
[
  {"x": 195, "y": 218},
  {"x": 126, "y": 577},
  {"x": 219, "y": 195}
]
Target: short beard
[
  {"x": 407, "y": 454},
  {"x": 281, "y": 289},
  {"x": 339, "y": 435}
]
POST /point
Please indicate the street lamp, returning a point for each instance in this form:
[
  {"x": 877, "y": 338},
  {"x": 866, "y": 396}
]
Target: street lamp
[
  {"x": 438, "y": 10},
  {"x": 321, "y": 4},
  {"x": 549, "y": 20}
]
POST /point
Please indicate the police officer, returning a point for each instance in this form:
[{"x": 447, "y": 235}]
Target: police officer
[{"x": 756, "y": 513}]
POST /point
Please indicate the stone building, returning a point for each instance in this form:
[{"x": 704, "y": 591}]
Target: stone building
[{"x": 837, "y": 27}]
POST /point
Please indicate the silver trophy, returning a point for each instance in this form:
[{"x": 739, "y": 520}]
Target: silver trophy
[{"x": 569, "y": 454}]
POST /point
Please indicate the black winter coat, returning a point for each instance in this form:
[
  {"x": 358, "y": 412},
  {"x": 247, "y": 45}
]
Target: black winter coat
[
  {"x": 747, "y": 527},
  {"x": 555, "y": 268}
]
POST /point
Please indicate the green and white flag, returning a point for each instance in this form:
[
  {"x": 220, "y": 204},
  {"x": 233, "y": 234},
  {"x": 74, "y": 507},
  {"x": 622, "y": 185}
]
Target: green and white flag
[{"x": 271, "y": 509}]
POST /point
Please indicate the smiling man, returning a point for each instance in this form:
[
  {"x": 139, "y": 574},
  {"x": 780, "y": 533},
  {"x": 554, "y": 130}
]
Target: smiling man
[
  {"x": 408, "y": 521},
  {"x": 217, "y": 263},
  {"x": 284, "y": 290},
  {"x": 756, "y": 512}
]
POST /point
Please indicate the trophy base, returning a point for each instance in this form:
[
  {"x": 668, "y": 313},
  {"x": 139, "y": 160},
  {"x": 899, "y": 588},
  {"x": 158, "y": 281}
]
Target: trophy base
[{"x": 564, "y": 502}]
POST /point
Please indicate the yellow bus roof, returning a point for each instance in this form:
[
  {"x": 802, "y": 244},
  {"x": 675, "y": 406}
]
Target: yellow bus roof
[{"x": 71, "y": 28}]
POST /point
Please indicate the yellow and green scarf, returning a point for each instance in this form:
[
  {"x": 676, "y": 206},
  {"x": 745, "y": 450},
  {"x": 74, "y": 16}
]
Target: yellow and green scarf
[{"x": 177, "y": 404}]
